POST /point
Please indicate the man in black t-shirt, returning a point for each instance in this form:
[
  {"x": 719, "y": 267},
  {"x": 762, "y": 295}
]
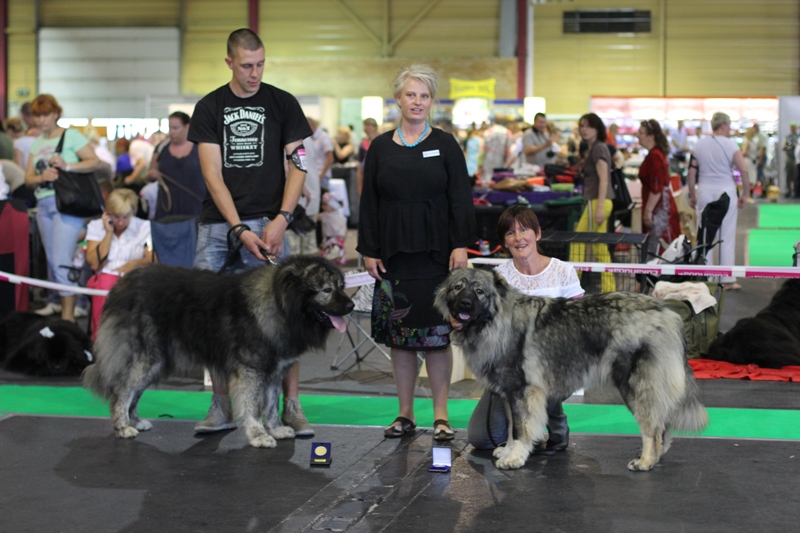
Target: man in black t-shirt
[{"x": 243, "y": 129}]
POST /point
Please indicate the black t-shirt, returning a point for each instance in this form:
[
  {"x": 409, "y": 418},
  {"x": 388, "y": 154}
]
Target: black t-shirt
[{"x": 251, "y": 133}]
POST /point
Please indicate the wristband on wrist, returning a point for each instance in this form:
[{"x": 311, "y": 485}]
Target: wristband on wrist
[
  {"x": 238, "y": 229},
  {"x": 67, "y": 169}
]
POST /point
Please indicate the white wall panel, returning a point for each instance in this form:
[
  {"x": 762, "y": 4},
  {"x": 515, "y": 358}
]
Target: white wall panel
[{"x": 108, "y": 72}]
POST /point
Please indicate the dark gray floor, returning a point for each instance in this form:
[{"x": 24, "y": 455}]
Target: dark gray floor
[{"x": 62, "y": 474}]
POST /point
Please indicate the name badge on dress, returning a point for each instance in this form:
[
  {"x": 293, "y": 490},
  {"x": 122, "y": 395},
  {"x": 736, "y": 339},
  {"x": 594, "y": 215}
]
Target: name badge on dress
[{"x": 431, "y": 153}]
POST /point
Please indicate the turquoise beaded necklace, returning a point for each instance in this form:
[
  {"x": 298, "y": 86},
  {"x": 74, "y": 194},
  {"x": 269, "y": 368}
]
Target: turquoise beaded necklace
[{"x": 419, "y": 139}]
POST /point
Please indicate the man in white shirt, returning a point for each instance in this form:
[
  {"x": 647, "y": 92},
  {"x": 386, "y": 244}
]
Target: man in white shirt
[
  {"x": 678, "y": 140},
  {"x": 319, "y": 155},
  {"x": 319, "y": 158}
]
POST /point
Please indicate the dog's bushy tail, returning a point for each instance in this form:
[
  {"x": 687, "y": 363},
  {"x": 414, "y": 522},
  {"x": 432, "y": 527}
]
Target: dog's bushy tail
[
  {"x": 107, "y": 367},
  {"x": 691, "y": 416},
  {"x": 93, "y": 380}
]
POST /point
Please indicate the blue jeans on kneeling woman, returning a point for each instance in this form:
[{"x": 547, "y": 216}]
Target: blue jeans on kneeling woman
[{"x": 488, "y": 427}]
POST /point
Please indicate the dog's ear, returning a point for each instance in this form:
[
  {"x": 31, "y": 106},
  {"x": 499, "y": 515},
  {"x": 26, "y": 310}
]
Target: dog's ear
[
  {"x": 500, "y": 284},
  {"x": 440, "y": 300}
]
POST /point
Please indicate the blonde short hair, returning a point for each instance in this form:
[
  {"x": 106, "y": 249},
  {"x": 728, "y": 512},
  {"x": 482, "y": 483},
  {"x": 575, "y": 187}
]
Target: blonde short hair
[
  {"x": 420, "y": 72},
  {"x": 121, "y": 202},
  {"x": 719, "y": 119}
]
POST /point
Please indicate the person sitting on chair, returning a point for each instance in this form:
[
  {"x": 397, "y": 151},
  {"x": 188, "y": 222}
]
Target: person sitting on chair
[{"x": 116, "y": 243}]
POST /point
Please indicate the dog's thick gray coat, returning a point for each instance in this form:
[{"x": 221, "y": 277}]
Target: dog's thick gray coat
[
  {"x": 249, "y": 327},
  {"x": 528, "y": 349}
]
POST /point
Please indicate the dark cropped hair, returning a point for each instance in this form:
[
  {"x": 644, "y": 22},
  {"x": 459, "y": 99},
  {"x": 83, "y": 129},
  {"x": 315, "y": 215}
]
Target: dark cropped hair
[
  {"x": 654, "y": 128},
  {"x": 243, "y": 38},
  {"x": 517, "y": 213},
  {"x": 180, "y": 115},
  {"x": 597, "y": 123}
]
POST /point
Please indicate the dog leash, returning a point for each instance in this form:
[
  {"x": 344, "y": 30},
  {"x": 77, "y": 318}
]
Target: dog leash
[{"x": 235, "y": 247}]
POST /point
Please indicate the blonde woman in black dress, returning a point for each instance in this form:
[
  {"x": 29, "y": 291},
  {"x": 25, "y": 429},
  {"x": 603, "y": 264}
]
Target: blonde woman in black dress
[{"x": 416, "y": 220}]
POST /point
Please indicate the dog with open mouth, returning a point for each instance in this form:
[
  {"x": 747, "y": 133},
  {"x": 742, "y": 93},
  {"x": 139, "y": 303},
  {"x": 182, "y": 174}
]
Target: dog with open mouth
[
  {"x": 250, "y": 327},
  {"x": 528, "y": 349}
]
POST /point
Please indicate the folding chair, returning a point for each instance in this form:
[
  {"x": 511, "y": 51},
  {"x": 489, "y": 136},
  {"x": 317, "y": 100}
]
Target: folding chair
[{"x": 363, "y": 308}]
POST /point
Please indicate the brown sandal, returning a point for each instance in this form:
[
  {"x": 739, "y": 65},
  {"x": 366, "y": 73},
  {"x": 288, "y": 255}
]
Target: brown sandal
[
  {"x": 443, "y": 434},
  {"x": 394, "y": 432}
]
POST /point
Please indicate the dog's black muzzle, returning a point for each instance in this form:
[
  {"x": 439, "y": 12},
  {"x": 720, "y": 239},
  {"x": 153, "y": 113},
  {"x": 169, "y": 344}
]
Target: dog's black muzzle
[
  {"x": 332, "y": 316},
  {"x": 463, "y": 307}
]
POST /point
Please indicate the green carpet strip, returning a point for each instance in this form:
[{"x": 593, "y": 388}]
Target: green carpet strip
[
  {"x": 380, "y": 411},
  {"x": 773, "y": 216},
  {"x": 771, "y": 247}
]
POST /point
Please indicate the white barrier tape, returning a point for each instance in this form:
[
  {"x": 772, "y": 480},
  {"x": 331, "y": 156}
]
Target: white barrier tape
[
  {"x": 17, "y": 280},
  {"x": 674, "y": 270},
  {"x": 357, "y": 279}
]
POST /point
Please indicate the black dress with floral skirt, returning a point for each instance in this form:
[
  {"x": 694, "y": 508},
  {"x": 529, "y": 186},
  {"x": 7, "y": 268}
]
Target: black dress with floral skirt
[{"x": 416, "y": 207}]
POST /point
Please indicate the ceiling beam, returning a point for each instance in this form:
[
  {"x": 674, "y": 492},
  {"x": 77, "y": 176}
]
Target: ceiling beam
[
  {"x": 418, "y": 17},
  {"x": 352, "y": 15},
  {"x": 387, "y": 27}
]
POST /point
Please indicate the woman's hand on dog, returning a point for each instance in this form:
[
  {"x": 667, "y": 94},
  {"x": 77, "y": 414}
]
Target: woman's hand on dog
[
  {"x": 456, "y": 324},
  {"x": 374, "y": 267},
  {"x": 458, "y": 258}
]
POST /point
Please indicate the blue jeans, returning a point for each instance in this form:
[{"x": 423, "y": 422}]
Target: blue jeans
[
  {"x": 488, "y": 427},
  {"x": 212, "y": 246},
  {"x": 59, "y": 234}
]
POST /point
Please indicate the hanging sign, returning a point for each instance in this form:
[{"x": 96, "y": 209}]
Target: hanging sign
[{"x": 472, "y": 88}]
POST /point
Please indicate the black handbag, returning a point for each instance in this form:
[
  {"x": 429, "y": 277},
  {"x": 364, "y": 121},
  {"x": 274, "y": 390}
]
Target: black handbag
[
  {"x": 77, "y": 194},
  {"x": 302, "y": 223},
  {"x": 622, "y": 197}
]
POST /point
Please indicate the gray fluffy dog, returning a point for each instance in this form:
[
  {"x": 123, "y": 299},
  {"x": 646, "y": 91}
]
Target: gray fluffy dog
[
  {"x": 527, "y": 349},
  {"x": 250, "y": 327}
]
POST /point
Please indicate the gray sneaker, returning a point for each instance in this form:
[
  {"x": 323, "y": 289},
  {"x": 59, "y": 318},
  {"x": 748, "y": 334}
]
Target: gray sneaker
[
  {"x": 294, "y": 417},
  {"x": 219, "y": 417},
  {"x": 49, "y": 310}
]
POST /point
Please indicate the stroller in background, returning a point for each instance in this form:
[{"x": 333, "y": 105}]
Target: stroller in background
[{"x": 683, "y": 252}]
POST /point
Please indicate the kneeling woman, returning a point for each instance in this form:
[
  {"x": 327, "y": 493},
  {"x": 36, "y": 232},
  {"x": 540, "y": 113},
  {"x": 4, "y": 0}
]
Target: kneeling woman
[
  {"x": 535, "y": 275},
  {"x": 116, "y": 243}
]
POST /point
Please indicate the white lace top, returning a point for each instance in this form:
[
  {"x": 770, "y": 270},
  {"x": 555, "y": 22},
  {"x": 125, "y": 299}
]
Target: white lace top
[{"x": 558, "y": 279}]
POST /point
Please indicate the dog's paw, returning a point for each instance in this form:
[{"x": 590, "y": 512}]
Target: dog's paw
[
  {"x": 515, "y": 458},
  {"x": 512, "y": 462},
  {"x": 143, "y": 425},
  {"x": 639, "y": 465},
  {"x": 263, "y": 441},
  {"x": 501, "y": 451},
  {"x": 126, "y": 432},
  {"x": 282, "y": 432}
]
